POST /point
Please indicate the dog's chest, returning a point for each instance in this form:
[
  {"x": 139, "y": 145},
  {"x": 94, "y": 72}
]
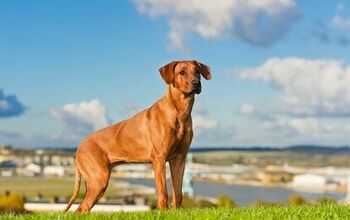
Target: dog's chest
[
  {"x": 179, "y": 129},
  {"x": 178, "y": 137}
]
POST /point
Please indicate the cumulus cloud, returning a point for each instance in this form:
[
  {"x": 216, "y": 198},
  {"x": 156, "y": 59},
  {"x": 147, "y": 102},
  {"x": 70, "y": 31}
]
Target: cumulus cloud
[
  {"x": 209, "y": 131},
  {"x": 10, "y": 106},
  {"x": 200, "y": 109},
  {"x": 308, "y": 130},
  {"x": 308, "y": 127},
  {"x": 307, "y": 87},
  {"x": 259, "y": 22},
  {"x": 80, "y": 119},
  {"x": 312, "y": 104},
  {"x": 199, "y": 122}
]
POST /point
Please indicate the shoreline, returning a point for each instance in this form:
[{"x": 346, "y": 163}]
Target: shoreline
[{"x": 272, "y": 185}]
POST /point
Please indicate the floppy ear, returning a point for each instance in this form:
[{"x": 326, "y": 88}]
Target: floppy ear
[
  {"x": 204, "y": 70},
  {"x": 167, "y": 72}
]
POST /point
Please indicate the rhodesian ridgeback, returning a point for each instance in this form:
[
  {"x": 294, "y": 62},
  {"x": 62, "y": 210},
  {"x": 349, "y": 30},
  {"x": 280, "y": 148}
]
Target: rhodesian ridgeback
[{"x": 162, "y": 133}]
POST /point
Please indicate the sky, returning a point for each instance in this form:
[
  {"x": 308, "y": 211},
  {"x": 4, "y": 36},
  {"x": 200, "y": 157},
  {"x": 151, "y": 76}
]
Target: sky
[{"x": 280, "y": 68}]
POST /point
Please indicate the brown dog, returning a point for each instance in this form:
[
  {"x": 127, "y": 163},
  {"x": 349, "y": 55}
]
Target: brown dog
[{"x": 156, "y": 135}]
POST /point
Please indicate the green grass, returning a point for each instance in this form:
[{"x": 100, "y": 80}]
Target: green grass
[
  {"x": 48, "y": 187},
  {"x": 296, "y": 212}
]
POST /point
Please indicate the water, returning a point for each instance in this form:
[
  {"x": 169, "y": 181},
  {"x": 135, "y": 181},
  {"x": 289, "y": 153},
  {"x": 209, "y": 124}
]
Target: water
[{"x": 244, "y": 195}]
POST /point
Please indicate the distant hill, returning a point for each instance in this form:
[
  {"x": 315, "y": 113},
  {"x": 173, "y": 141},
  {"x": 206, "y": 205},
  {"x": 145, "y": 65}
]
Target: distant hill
[
  {"x": 298, "y": 148},
  {"x": 199, "y": 149}
]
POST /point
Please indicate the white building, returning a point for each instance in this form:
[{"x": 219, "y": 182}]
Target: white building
[
  {"x": 31, "y": 169},
  {"x": 53, "y": 171},
  {"x": 35, "y": 168},
  {"x": 309, "y": 180}
]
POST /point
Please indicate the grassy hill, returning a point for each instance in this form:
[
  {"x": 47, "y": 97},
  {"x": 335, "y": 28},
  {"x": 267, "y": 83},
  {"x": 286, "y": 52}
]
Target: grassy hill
[{"x": 296, "y": 212}]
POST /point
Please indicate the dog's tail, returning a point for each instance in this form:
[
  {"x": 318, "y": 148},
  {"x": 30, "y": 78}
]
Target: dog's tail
[{"x": 76, "y": 188}]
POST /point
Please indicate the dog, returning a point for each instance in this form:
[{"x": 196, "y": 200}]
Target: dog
[{"x": 162, "y": 133}]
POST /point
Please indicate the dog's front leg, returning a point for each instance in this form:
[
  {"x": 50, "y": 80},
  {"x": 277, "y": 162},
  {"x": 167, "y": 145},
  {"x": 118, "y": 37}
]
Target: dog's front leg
[
  {"x": 160, "y": 181},
  {"x": 177, "y": 167}
]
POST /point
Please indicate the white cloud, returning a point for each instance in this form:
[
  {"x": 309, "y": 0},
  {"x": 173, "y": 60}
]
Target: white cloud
[
  {"x": 307, "y": 87},
  {"x": 259, "y": 22},
  {"x": 209, "y": 132},
  {"x": 246, "y": 109},
  {"x": 341, "y": 23},
  {"x": 308, "y": 130},
  {"x": 80, "y": 119},
  {"x": 312, "y": 104},
  {"x": 200, "y": 122},
  {"x": 308, "y": 127},
  {"x": 199, "y": 109}
]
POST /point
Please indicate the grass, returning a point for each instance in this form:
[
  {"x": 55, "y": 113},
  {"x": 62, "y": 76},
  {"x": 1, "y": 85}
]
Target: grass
[
  {"x": 261, "y": 159},
  {"x": 290, "y": 213},
  {"x": 49, "y": 187}
]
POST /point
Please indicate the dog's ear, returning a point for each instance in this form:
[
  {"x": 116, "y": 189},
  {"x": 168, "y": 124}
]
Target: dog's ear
[
  {"x": 167, "y": 72},
  {"x": 204, "y": 70}
]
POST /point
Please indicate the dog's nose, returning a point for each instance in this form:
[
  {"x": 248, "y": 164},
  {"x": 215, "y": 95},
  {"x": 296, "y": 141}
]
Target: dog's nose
[{"x": 195, "y": 82}]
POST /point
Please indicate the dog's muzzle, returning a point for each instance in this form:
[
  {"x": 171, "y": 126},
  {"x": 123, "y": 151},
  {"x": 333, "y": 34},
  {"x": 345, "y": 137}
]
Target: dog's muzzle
[{"x": 197, "y": 87}]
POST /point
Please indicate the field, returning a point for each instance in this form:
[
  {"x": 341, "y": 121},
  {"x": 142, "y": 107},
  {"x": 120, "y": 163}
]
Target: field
[
  {"x": 297, "y": 212},
  {"x": 50, "y": 187},
  {"x": 262, "y": 159}
]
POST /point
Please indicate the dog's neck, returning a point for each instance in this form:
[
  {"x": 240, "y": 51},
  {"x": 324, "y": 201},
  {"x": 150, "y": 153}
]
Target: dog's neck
[{"x": 183, "y": 103}]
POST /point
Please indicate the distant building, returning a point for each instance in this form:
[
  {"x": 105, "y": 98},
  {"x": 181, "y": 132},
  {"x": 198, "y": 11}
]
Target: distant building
[
  {"x": 8, "y": 168},
  {"x": 309, "y": 180},
  {"x": 35, "y": 168},
  {"x": 274, "y": 176},
  {"x": 5, "y": 153},
  {"x": 5, "y": 150},
  {"x": 346, "y": 199},
  {"x": 133, "y": 171},
  {"x": 31, "y": 169},
  {"x": 57, "y": 171}
]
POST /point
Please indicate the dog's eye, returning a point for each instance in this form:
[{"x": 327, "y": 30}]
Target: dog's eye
[{"x": 182, "y": 73}]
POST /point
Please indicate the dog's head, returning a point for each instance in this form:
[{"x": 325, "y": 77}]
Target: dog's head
[{"x": 185, "y": 75}]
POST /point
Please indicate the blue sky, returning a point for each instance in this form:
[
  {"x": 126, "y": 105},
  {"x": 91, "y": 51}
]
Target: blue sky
[{"x": 280, "y": 68}]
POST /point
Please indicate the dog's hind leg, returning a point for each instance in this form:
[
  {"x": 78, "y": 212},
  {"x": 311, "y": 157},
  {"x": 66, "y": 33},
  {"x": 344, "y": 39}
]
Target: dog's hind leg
[
  {"x": 96, "y": 172},
  {"x": 76, "y": 188}
]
